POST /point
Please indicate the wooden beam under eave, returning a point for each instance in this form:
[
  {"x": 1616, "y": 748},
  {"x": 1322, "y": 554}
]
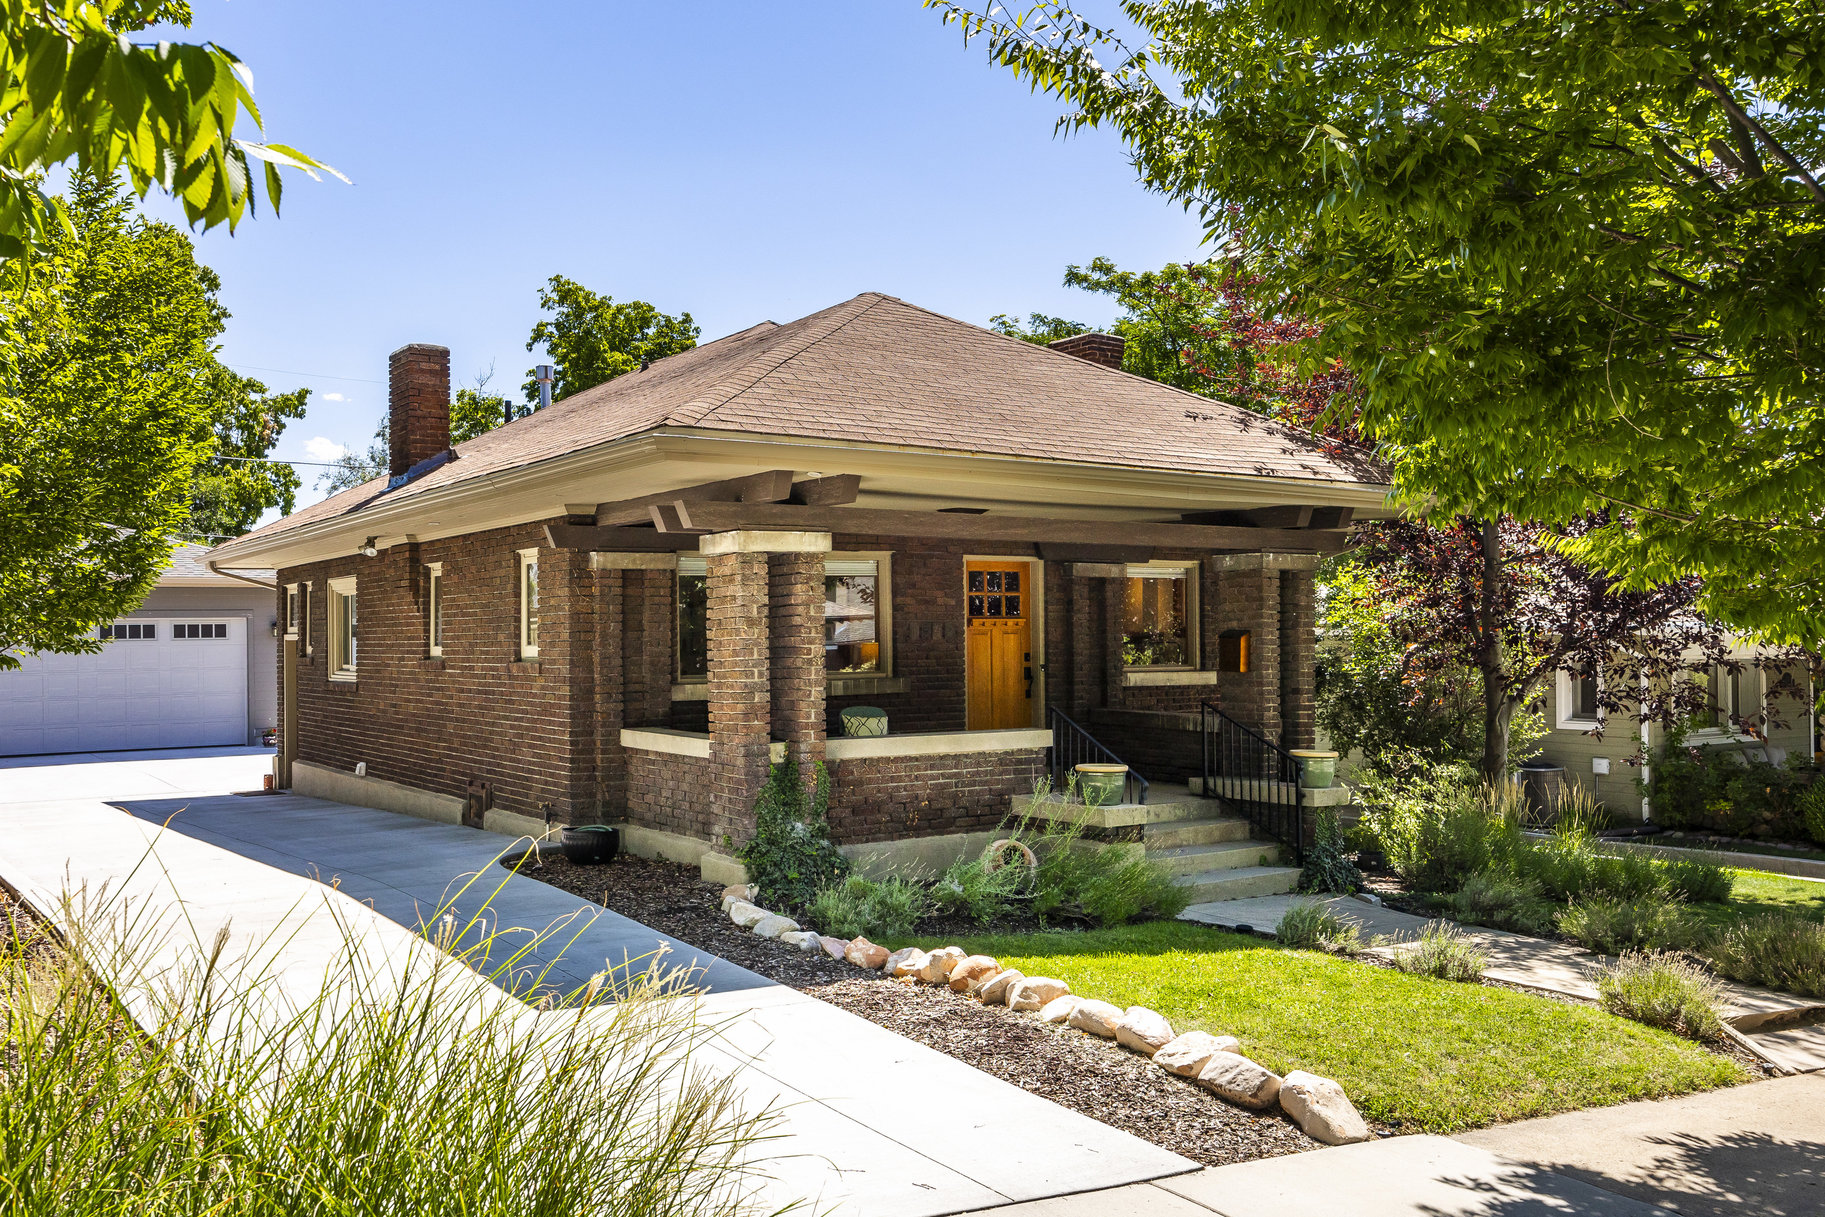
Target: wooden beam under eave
[
  {"x": 832, "y": 491},
  {"x": 595, "y": 538},
  {"x": 1290, "y": 515},
  {"x": 725, "y": 517},
  {"x": 773, "y": 486}
]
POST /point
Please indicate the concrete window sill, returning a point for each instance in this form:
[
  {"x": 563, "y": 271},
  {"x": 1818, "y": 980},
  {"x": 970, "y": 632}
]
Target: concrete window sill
[
  {"x": 1143, "y": 677},
  {"x": 342, "y": 678}
]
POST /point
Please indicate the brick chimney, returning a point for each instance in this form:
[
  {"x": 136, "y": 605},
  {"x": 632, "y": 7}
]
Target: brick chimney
[
  {"x": 1093, "y": 347},
  {"x": 418, "y": 404}
]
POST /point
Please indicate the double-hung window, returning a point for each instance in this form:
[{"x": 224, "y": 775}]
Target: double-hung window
[
  {"x": 1577, "y": 694},
  {"x": 344, "y": 629},
  {"x": 1159, "y": 615},
  {"x": 1734, "y": 697},
  {"x": 434, "y": 609},
  {"x": 291, "y": 610},
  {"x": 857, "y": 624},
  {"x": 529, "y": 603}
]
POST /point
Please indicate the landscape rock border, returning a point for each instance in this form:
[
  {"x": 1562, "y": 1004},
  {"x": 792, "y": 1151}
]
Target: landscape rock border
[{"x": 1317, "y": 1104}]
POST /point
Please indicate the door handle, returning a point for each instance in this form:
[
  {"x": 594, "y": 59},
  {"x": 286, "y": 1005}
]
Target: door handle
[{"x": 1029, "y": 682}]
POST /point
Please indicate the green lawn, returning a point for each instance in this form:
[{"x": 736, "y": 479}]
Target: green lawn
[
  {"x": 1760, "y": 891},
  {"x": 1425, "y": 1054}
]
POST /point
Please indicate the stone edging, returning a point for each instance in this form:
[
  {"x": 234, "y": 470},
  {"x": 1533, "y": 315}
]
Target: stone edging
[{"x": 1215, "y": 1062}]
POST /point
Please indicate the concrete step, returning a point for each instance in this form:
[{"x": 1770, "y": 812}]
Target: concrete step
[
  {"x": 1197, "y": 859},
  {"x": 1213, "y": 830},
  {"x": 1240, "y": 883}
]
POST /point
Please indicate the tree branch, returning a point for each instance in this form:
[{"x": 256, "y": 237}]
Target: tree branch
[{"x": 1737, "y": 115}]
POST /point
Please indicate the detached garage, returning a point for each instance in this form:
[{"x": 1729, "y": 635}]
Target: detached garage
[{"x": 192, "y": 667}]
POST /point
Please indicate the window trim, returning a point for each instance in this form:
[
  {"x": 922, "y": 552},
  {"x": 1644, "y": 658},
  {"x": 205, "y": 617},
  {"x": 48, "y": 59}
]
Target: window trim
[
  {"x": 1565, "y": 707},
  {"x": 304, "y": 617},
  {"x": 293, "y": 605},
  {"x": 344, "y": 628},
  {"x": 883, "y": 610},
  {"x": 1192, "y": 572},
  {"x": 1727, "y": 730},
  {"x": 434, "y": 610},
  {"x": 529, "y": 646}
]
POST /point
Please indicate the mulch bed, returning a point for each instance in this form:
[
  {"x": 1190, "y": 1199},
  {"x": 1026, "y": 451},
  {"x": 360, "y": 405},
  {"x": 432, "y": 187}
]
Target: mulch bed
[{"x": 1072, "y": 1069}]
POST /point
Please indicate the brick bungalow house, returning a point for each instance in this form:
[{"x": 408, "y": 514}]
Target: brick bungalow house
[{"x": 620, "y": 607}]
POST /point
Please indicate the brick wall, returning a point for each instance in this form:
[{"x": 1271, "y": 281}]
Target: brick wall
[
  {"x": 891, "y": 798},
  {"x": 528, "y": 728},
  {"x": 1298, "y": 659},
  {"x": 671, "y": 793},
  {"x": 740, "y": 709}
]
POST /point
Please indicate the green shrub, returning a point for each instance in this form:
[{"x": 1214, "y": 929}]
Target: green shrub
[
  {"x": 877, "y": 908},
  {"x": 1811, "y": 806},
  {"x": 969, "y": 888},
  {"x": 1114, "y": 885},
  {"x": 1663, "y": 990},
  {"x": 1432, "y": 825},
  {"x": 1444, "y": 951},
  {"x": 1503, "y": 901},
  {"x": 1778, "y": 950},
  {"x": 1722, "y": 790},
  {"x": 1697, "y": 880},
  {"x": 1610, "y": 926},
  {"x": 1312, "y": 925},
  {"x": 1327, "y": 868},
  {"x": 791, "y": 857}
]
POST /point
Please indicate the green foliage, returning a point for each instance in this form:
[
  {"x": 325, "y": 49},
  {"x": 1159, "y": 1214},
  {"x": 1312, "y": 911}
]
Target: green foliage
[
  {"x": 1311, "y": 925},
  {"x": 1327, "y": 864},
  {"x": 1430, "y": 825},
  {"x": 1778, "y": 950},
  {"x": 475, "y": 411},
  {"x": 416, "y": 1091},
  {"x": 1039, "y": 329},
  {"x": 75, "y": 87},
  {"x": 110, "y": 402},
  {"x": 1811, "y": 806},
  {"x": 1085, "y": 882},
  {"x": 591, "y": 340},
  {"x": 1728, "y": 791},
  {"x": 791, "y": 856},
  {"x": 978, "y": 889},
  {"x": 236, "y": 485},
  {"x": 1572, "y": 254},
  {"x": 1696, "y": 880},
  {"x": 877, "y": 908},
  {"x": 1610, "y": 925},
  {"x": 1444, "y": 952},
  {"x": 1664, "y": 990},
  {"x": 1497, "y": 899}
]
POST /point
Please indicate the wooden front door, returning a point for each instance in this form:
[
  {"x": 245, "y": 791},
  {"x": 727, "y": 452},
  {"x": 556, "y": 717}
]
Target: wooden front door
[{"x": 998, "y": 603}]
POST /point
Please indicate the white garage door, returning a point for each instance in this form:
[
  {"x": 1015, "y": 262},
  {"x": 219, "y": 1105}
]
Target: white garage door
[{"x": 159, "y": 682}]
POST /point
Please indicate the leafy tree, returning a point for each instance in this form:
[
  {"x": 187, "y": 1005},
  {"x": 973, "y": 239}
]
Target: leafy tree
[
  {"x": 1575, "y": 253},
  {"x": 591, "y": 339},
  {"x": 1039, "y": 329},
  {"x": 354, "y": 468},
  {"x": 475, "y": 410},
  {"x": 237, "y": 483},
  {"x": 76, "y": 87},
  {"x": 106, "y": 416}
]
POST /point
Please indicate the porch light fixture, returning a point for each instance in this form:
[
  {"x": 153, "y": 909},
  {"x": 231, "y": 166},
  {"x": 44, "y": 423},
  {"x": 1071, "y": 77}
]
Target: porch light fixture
[{"x": 368, "y": 549}]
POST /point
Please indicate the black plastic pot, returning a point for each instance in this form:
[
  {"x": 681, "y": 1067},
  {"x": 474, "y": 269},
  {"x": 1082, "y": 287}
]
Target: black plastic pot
[{"x": 591, "y": 844}]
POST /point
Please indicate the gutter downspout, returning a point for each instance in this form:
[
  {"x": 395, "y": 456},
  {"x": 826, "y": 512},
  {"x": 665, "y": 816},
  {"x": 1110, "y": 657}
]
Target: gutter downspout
[{"x": 228, "y": 574}]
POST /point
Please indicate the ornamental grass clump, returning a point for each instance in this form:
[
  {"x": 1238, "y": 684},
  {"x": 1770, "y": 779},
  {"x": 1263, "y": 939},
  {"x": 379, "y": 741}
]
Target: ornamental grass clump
[
  {"x": 1084, "y": 881},
  {"x": 888, "y": 907},
  {"x": 1609, "y": 926},
  {"x": 413, "y": 1087},
  {"x": 1497, "y": 899},
  {"x": 1779, "y": 950},
  {"x": 1445, "y": 952},
  {"x": 1663, "y": 989},
  {"x": 1312, "y": 925}
]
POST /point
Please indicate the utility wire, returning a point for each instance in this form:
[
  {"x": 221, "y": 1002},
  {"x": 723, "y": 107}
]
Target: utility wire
[
  {"x": 248, "y": 367},
  {"x": 273, "y": 460}
]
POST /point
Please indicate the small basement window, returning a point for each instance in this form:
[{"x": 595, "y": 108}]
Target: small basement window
[
  {"x": 344, "y": 629},
  {"x": 1159, "y": 612}
]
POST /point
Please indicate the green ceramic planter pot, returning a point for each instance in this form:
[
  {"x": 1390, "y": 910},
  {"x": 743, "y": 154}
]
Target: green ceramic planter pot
[
  {"x": 864, "y": 720},
  {"x": 1102, "y": 784},
  {"x": 1317, "y": 768}
]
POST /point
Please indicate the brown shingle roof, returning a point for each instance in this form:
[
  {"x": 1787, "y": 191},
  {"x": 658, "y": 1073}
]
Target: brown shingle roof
[{"x": 876, "y": 369}]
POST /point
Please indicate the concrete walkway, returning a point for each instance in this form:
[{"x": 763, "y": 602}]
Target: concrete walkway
[
  {"x": 874, "y": 1124},
  {"x": 1784, "y": 1029}
]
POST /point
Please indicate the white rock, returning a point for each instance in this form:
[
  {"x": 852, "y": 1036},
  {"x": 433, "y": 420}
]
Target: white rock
[
  {"x": 995, "y": 993},
  {"x": 804, "y": 940},
  {"x": 905, "y": 961},
  {"x": 773, "y": 925},
  {"x": 1143, "y": 1030},
  {"x": 1036, "y": 991},
  {"x": 1240, "y": 1080},
  {"x": 1058, "y": 1009},
  {"x": 1096, "y": 1017},
  {"x": 938, "y": 965},
  {"x": 746, "y": 915},
  {"x": 1319, "y": 1105},
  {"x": 1187, "y": 1054}
]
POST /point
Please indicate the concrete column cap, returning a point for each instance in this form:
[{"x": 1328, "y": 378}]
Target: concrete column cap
[{"x": 750, "y": 541}]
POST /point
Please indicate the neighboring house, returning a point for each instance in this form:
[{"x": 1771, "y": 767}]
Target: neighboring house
[
  {"x": 196, "y": 664},
  {"x": 1760, "y": 709},
  {"x": 623, "y": 605}
]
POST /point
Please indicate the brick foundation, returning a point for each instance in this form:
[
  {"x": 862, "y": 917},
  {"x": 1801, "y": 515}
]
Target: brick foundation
[
  {"x": 671, "y": 793},
  {"x": 893, "y": 797}
]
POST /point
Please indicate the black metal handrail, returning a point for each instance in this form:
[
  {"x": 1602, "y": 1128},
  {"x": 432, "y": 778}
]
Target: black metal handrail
[
  {"x": 1073, "y": 746},
  {"x": 1244, "y": 767}
]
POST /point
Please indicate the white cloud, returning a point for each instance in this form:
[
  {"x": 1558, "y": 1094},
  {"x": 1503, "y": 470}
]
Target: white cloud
[
  {"x": 319, "y": 448},
  {"x": 333, "y": 397}
]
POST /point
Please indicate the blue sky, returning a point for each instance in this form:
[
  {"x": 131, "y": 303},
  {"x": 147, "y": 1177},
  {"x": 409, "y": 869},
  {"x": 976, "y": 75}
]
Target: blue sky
[{"x": 742, "y": 161}]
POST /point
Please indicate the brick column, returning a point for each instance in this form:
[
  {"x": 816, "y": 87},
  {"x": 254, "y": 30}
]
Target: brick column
[
  {"x": 740, "y": 708},
  {"x": 611, "y": 757},
  {"x": 1250, "y": 600},
  {"x": 1298, "y": 659},
  {"x": 796, "y": 647}
]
